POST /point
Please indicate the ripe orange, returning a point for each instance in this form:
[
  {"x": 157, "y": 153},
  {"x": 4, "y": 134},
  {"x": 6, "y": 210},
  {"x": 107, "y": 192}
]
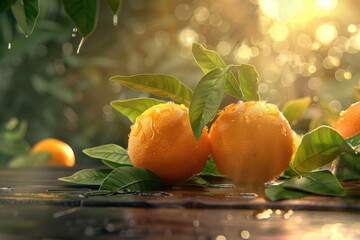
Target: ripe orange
[
  {"x": 251, "y": 142},
  {"x": 161, "y": 140},
  {"x": 348, "y": 124},
  {"x": 61, "y": 153}
]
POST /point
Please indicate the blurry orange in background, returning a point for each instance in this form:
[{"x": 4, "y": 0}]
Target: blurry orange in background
[{"x": 61, "y": 153}]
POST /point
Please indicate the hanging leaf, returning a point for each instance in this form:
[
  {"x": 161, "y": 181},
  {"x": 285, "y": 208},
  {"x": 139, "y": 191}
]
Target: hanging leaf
[
  {"x": 276, "y": 193},
  {"x": 112, "y": 155},
  {"x": 26, "y": 14},
  {"x": 249, "y": 82},
  {"x": 318, "y": 148},
  {"x": 347, "y": 167},
  {"x": 294, "y": 109},
  {"x": 132, "y": 108},
  {"x": 5, "y": 5},
  {"x": 115, "y": 6},
  {"x": 211, "y": 169},
  {"x": 158, "y": 84},
  {"x": 206, "y": 99},
  {"x": 30, "y": 160},
  {"x": 133, "y": 179},
  {"x": 87, "y": 176},
  {"x": 319, "y": 182},
  {"x": 84, "y": 14},
  {"x": 208, "y": 60}
]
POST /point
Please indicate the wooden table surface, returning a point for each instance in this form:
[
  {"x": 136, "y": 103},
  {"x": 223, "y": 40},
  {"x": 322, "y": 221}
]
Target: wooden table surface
[{"x": 34, "y": 205}]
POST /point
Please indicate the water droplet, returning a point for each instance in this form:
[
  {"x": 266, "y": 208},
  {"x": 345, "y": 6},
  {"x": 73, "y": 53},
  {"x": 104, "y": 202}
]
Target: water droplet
[
  {"x": 80, "y": 45},
  {"x": 245, "y": 234},
  {"x": 248, "y": 195},
  {"x": 26, "y": 36},
  {"x": 136, "y": 128},
  {"x": 196, "y": 223},
  {"x": 6, "y": 188},
  {"x": 9, "y": 45},
  {"x": 264, "y": 215},
  {"x": 74, "y": 30},
  {"x": 283, "y": 130},
  {"x": 183, "y": 107},
  {"x": 73, "y": 35},
  {"x": 115, "y": 20},
  {"x": 142, "y": 137},
  {"x": 288, "y": 214}
]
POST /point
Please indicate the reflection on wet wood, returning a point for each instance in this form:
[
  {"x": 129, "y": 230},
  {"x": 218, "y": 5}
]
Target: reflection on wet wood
[{"x": 34, "y": 204}]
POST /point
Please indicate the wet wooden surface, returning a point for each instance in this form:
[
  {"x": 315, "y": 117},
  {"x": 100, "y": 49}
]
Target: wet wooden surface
[{"x": 34, "y": 205}]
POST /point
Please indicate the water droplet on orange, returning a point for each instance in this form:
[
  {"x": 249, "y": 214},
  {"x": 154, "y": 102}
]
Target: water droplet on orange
[
  {"x": 136, "y": 128},
  {"x": 142, "y": 137}
]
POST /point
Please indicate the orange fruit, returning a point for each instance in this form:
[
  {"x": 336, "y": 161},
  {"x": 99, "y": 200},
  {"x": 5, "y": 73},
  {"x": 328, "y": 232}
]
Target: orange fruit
[
  {"x": 161, "y": 140},
  {"x": 348, "y": 124},
  {"x": 251, "y": 142},
  {"x": 61, "y": 153}
]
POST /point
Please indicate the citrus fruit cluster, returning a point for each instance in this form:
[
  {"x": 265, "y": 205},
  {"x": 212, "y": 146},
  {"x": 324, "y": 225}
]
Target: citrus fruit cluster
[{"x": 251, "y": 142}]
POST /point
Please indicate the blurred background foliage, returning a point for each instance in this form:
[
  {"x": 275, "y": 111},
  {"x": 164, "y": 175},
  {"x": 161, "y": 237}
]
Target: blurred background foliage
[{"x": 300, "y": 48}]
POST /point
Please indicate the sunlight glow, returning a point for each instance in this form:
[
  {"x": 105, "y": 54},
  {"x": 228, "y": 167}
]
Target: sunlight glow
[
  {"x": 326, "y": 4},
  {"x": 326, "y": 33}
]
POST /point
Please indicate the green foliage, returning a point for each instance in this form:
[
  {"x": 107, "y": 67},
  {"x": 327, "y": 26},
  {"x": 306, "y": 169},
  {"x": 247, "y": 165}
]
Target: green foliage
[
  {"x": 318, "y": 148},
  {"x": 319, "y": 182},
  {"x": 88, "y": 176},
  {"x": 158, "y": 84},
  {"x": 26, "y": 14},
  {"x": 111, "y": 154},
  {"x": 249, "y": 82},
  {"x": 294, "y": 109},
  {"x": 84, "y": 14},
  {"x": 132, "y": 108},
  {"x": 5, "y": 5},
  {"x": 128, "y": 178},
  {"x": 211, "y": 169},
  {"x": 278, "y": 192},
  {"x": 209, "y": 60},
  {"x": 347, "y": 167},
  {"x": 207, "y": 98},
  {"x": 29, "y": 160},
  {"x": 115, "y": 6}
]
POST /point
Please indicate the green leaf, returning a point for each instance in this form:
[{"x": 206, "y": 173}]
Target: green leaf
[
  {"x": 26, "y": 13},
  {"x": 87, "y": 176},
  {"x": 132, "y": 108},
  {"x": 31, "y": 160},
  {"x": 249, "y": 82},
  {"x": 206, "y": 99},
  {"x": 158, "y": 84},
  {"x": 347, "y": 167},
  {"x": 129, "y": 178},
  {"x": 83, "y": 13},
  {"x": 319, "y": 182},
  {"x": 114, "y": 155},
  {"x": 17, "y": 132},
  {"x": 318, "y": 148},
  {"x": 354, "y": 140},
  {"x": 5, "y": 5},
  {"x": 208, "y": 60},
  {"x": 115, "y": 6},
  {"x": 294, "y": 109},
  {"x": 211, "y": 169},
  {"x": 196, "y": 181},
  {"x": 276, "y": 193}
]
